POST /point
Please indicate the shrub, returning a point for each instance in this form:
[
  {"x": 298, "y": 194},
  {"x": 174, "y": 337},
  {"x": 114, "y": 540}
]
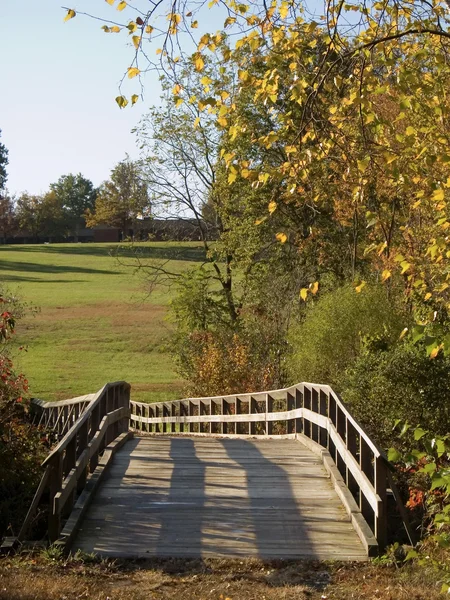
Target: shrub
[
  {"x": 21, "y": 448},
  {"x": 400, "y": 382},
  {"x": 332, "y": 333}
]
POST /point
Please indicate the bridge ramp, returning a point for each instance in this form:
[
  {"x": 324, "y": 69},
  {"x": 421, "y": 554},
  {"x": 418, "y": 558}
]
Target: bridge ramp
[{"x": 211, "y": 497}]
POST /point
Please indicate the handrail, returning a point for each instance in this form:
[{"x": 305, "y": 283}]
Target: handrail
[
  {"x": 314, "y": 410},
  {"x": 59, "y": 416},
  {"x": 105, "y": 416}
]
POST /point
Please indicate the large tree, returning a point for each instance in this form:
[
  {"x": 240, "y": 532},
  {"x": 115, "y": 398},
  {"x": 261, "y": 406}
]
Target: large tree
[
  {"x": 75, "y": 195},
  {"x": 122, "y": 199},
  {"x": 8, "y": 220}
]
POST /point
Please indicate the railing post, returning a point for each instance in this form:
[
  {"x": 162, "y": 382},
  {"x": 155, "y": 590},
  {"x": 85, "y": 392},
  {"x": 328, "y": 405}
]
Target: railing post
[
  {"x": 323, "y": 410},
  {"x": 82, "y": 445},
  {"x": 269, "y": 409},
  {"x": 56, "y": 478},
  {"x": 290, "y": 405},
  {"x": 298, "y": 404},
  {"x": 380, "y": 484},
  {"x": 252, "y": 407},
  {"x": 306, "y": 405}
]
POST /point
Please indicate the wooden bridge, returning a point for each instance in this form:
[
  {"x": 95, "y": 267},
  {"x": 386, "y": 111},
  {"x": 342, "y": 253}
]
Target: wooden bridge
[{"x": 281, "y": 474}]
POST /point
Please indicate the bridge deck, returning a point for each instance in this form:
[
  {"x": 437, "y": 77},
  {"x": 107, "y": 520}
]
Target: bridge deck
[{"x": 210, "y": 497}]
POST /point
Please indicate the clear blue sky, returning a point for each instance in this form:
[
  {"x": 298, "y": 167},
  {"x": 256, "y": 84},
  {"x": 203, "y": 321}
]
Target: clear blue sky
[{"x": 58, "y": 82}]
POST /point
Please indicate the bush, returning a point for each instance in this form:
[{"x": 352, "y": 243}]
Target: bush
[
  {"x": 21, "y": 448},
  {"x": 332, "y": 333},
  {"x": 400, "y": 382},
  {"x": 222, "y": 363}
]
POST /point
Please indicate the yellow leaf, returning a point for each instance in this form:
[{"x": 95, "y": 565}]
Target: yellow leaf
[
  {"x": 304, "y": 293},
  {"x": 410, "y": 131},
  {"x": 176, "y": 89},
  {"x": 70, "y": 15},
  {"x": 403, "y": 333},
  {"x": 199, "y": 63},
  {"x": 133, "y": 72},
  {"x": 194, "y": 24},
  {"x": 232, "y": 177},
  {"x": 197, "y": 122},
  {"x": 363, "y": 164},
  {"x": 158, "y": 51},
  {"x": 115, "y": 29},
  {"x": 272, "y": 207},
  {"x": 435, "y": 351},
  {"x": 148, "y": 29},
  {"x": 136, "y": 41},
  {"x": 385, "y": 275},
  {"x": 178, "y": 101},
  {"x": 438, "y": 195},
  {"x": 281, "y": 237},
  {"x": 134, "y": 99},
  {"x": 314, "y": 287},
  {"x": 427, "y": 296},
  {"x": 284, "y": 9},
  {"x": 110, "y": 2},
  {"x": 259, "y": 221},
  {"x": 359, "y": 287},
  {"x": 121, "y": 101},
  {"x": 121, "y": 5}
]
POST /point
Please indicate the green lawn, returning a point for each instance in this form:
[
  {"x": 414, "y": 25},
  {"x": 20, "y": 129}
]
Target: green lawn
[{"x": 96, "y": 322}]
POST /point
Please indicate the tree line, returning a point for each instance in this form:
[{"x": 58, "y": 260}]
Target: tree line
[{"x": 73, "y": 203}]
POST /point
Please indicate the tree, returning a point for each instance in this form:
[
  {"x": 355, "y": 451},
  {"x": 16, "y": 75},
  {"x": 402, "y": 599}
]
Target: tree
[
  {"x": 8, "y": 221},
  {"x": 29, "y": 214},
  {"x": 121, "y": 200},
  {"x": 3, "y": 164},
  {"x": 76, "y": 195},
  {"x": 390, "y": 173}
]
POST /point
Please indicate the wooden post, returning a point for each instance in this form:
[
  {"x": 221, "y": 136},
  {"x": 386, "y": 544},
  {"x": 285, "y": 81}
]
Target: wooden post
[
  {"x": 173, "y": 413},
  {"x": 252, "y": 406},
  {"x": 82, "y": 445},
  {"x": 307, "y": 405},
  {"x": 56, "y": 477},
  {"x": 269, "y": 409},
  {"x": 290, "y": 405},
  {"x": 191, "y": 411},
  {"x": 323, "y": 410},
  {"x": 298, "y": 404},
  {"x": 380, "y": 475},
  {"x": 166, "y": 413}
]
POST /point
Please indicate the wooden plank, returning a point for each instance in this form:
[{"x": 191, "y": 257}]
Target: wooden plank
[{"x": 193, "y": 496}]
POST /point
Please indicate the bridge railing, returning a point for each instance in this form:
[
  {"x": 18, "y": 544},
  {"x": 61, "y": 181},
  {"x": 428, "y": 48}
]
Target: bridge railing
[
  {"x": 59, "y": 417},
  {"x": 86, "y": 426},
  {"x": 313, "y": 410}
]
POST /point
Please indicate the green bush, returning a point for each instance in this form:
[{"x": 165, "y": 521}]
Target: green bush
[
  {"x": 332, "y": 333},
  {"x": 400, "y": 382}
]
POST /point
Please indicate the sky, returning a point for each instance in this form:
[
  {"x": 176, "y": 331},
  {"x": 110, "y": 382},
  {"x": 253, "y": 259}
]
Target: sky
[{"x": 58, "y": 83}]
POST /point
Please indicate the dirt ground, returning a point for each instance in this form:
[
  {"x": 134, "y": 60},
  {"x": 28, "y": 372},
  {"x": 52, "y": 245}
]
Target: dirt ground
[{"x": 43, "y": 578}]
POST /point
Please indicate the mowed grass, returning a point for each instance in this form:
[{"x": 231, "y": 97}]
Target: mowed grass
[{"x": 96, "y": 321}]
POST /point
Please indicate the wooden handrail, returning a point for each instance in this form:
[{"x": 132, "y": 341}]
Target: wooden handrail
[
  {"x": 105, "y": 416},
  {"x": 58, "y": 417},
  {"x": 313, "y": 410}
]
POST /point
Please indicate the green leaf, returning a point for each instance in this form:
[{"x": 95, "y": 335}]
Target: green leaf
[
  {"x": 411, "y": 554},
  {"x": 418, "y": 331},
  {"x": 363, "y": 164},
  {"x": 394, "y": 455},
  {"x": 419, "y": 433}
]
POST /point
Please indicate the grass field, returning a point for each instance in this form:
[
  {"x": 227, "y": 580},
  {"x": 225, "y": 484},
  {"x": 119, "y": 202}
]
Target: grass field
[{"x": 96, "y": 323}]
